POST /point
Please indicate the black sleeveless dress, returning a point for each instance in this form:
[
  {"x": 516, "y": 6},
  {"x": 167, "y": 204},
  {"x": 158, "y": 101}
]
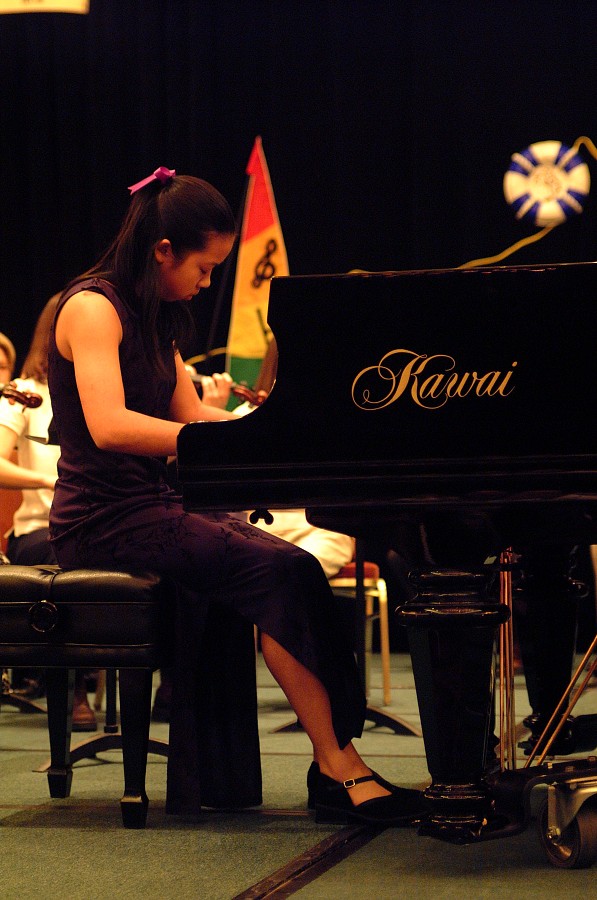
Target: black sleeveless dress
[{"x": 117, "y": 509}]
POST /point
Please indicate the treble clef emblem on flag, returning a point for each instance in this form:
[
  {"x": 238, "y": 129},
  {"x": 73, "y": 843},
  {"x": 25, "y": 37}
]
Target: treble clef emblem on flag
[{"x": 264, "y": 268}]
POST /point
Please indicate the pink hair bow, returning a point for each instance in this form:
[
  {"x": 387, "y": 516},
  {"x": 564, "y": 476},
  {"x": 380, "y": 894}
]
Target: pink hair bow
[{"x": 162, "y": 174}]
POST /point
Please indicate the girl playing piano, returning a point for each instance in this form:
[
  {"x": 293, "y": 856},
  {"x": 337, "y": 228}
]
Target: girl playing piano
[{"x": 120, "y": 395}]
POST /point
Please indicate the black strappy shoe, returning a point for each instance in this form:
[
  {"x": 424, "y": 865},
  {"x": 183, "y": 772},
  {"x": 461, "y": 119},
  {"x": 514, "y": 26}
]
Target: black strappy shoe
[
  {"x": 313, "y": 774},
  {"x": 333, "y": 804}
]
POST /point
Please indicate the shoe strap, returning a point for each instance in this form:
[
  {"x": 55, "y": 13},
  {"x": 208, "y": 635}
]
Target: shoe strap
[{"x": 352, "y": 782}]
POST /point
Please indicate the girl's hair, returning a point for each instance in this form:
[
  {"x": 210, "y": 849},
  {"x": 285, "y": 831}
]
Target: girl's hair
[
  {"x": 36, "y": 361},
  {"x": 188, "y": 212},
  {"x": 8, "y": 347}
]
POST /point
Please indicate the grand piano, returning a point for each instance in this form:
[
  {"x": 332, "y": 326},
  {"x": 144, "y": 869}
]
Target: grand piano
[{"x": 430, "y": 397}]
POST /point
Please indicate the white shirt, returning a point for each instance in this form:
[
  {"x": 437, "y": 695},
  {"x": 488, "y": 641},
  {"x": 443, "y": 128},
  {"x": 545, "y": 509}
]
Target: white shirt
[
  {"x": 34, "y": 511},
  {"x": 333, "y": 550}
]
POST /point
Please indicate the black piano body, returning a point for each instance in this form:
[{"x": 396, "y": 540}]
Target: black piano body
[
  {"x": 406, "y": 392},
  {"x": 408, "y": 396}
]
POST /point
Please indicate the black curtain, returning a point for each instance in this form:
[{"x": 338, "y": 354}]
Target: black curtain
[{"x": 387, "y": 126}]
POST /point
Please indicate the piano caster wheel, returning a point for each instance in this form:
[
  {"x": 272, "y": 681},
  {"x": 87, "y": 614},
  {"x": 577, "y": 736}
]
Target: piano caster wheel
[{"x": 576, "y": 847}]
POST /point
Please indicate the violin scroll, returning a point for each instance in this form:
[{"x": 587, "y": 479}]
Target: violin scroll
[{"x": 26, "y": 398}]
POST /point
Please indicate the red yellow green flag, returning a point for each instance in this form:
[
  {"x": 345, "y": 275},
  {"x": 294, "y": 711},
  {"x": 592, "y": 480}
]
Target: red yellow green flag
[{"x": 261, "y": 255}]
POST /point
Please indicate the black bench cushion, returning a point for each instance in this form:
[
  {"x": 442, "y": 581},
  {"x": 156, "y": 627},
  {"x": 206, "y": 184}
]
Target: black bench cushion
[{"x": 80, "y": 618}]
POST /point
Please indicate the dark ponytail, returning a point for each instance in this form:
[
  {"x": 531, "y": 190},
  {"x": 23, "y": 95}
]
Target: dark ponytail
[{"x": 185, "y": 210}]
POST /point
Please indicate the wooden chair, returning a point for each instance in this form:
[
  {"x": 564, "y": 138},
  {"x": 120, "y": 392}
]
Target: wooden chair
[{"x": 375, "y": 594}]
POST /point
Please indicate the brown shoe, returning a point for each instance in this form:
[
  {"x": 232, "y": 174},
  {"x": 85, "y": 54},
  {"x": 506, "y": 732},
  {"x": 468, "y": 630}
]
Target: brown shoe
[{"x": 83, "y": 716}]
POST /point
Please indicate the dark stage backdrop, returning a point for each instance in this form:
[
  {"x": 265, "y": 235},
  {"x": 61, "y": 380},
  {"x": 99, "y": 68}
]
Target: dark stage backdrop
[{"x": 387, "y": 126}]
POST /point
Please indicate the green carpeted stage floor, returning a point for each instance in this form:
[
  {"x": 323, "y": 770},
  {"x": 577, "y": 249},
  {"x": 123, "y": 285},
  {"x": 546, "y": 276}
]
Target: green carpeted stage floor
[{"x": 76, "y": 849}]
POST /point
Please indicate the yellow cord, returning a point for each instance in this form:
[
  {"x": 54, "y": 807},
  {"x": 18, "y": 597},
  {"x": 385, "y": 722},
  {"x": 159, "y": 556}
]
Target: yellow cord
[
  {"x": 486, "y": 261},
  {"x": 588, "y": 144},
  {"x": 203, "y": 356}
]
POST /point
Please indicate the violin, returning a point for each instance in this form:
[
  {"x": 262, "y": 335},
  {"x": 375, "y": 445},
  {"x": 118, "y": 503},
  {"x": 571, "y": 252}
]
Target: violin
[
  {"x": 26, "y": 398},
  {"x": 240, "y": 391},
  {"x": 245, "y": 393}
]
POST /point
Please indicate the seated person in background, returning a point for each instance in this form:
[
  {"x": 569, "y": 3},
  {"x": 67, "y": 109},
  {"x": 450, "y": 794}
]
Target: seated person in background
[
  {"x": 34, "y": 473},
  {"x": 8, "y": 358}
]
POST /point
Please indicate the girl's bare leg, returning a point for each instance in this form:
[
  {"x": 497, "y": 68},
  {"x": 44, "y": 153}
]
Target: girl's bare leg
[{"x": 309, "y": 700}]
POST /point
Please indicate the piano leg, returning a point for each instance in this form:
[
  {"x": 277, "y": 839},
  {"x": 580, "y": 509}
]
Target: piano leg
[{"x": 452, "y": 625}]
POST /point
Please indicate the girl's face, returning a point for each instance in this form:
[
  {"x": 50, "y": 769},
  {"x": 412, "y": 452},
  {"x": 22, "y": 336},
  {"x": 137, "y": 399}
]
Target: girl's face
[{"x": 182, "y": 279}]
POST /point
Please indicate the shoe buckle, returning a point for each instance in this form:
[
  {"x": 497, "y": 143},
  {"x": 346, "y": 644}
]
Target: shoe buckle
[{"x": 350, "y": 783}]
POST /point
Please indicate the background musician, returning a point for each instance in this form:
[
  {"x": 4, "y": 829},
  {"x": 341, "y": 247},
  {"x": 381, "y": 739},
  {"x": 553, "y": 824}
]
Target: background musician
[{"x": 34, "y": 473}]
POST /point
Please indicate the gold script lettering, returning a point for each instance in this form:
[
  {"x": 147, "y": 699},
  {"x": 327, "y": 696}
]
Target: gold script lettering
[{"x": 430, "y": 380}]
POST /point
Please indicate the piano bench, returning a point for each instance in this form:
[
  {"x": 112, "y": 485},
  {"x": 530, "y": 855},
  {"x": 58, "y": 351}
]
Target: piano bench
[
  {"x": 89, "y": 619},
  {"x": 344, "y": 584}
]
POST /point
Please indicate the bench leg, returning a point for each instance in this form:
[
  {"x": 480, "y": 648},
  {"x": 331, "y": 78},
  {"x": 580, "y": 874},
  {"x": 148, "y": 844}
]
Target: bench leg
[
  {"x": 135, "y": 712},
  {"x": 60, "y": 688}
]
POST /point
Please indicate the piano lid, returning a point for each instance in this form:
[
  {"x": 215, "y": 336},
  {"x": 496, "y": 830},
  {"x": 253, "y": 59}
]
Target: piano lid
[{"x": 404, "y": 385}]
